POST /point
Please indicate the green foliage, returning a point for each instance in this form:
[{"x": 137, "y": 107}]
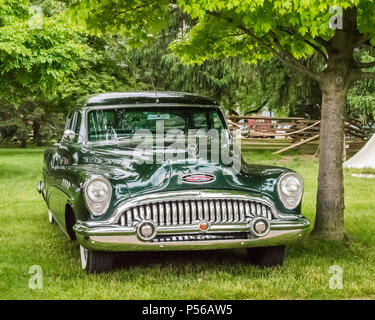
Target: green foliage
[
  {"x": 207, "y": 38},
  {"x": 231, "y": 81},
  {"x": 31, "y": 116},
  {"x": 156, "y": 66},
  {"x": 101, "y": 69},
  {"x": 138, "y": 21},
  {"x": 125, "y": 45},
  {"x": 266, "y": 24},
  {"x": 36, "y": 52},
  {"x": 48, "y": 66},
  {"x": 361, "y": 97},
  {"x": 272, "y": 85}
]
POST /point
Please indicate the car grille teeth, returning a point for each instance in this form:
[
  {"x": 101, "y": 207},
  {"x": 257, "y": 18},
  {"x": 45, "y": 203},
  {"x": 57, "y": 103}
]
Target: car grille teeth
[{"x": 185, "y": 212}]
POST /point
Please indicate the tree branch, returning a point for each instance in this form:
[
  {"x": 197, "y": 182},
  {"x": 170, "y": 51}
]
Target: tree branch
[
  {"x": 356, "y": 75},
  {"x": 232, "y": 35},
  {"x": 322, "y": 42},
  {"x": 284, "y": 56},
  {"x": 366, "y": 64},
  {"x": 318, "y": 49},
  {"x": 364, "y": 38},
  {"x": 361, "y": 40},
  {"x": 308, "y": 42},
  {"x": 291, "y": 60},
  {"x": 134, "y": 8}
]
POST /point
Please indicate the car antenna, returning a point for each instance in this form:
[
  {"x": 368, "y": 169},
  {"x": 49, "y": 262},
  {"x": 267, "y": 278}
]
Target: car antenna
[{"x": 156, "y": 95}]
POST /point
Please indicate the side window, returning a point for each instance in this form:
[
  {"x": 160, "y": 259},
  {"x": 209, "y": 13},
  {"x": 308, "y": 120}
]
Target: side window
[
  {"x": 69, "y": 121},
  {"x": 74, "y": 123},
  {"x": 217, "y": 121},
  {"x": 76, "y": 126},
  {"x": 200, "y": 120}
]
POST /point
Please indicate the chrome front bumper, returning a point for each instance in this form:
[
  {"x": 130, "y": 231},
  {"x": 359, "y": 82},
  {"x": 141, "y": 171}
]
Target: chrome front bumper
[{"x": 119, "y": 238}]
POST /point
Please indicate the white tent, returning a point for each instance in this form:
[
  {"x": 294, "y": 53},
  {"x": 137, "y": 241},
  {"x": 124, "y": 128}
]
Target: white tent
[{"x": 365, "y": 158}]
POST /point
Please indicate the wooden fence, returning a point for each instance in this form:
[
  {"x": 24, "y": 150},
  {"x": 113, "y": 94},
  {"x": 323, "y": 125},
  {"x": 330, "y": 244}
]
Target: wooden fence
[{"x": 285, "y": 133}]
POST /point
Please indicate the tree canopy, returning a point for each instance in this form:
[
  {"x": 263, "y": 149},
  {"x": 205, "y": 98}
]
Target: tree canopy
[
  {"x": 36, "y": 52},
  {"x": 290, "y": 31}
]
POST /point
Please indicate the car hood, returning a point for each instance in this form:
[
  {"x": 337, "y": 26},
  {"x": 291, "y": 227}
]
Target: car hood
[{"x": 134, "y": 172}]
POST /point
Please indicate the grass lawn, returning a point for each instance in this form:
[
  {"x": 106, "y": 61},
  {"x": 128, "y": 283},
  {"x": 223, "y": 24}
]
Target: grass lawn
[{"x": 28, "y": 239}]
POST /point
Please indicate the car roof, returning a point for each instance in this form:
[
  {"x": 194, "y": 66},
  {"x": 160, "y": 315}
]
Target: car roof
[{"x": 144, "y": 97}]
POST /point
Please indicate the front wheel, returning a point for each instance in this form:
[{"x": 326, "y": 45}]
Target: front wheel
[
  {"x": 267, "y": 256},
  {"x": 96, "y": 261}
]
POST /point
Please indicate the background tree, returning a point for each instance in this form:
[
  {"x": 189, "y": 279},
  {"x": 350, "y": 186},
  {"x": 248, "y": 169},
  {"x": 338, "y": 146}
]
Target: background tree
[
  {"x": 290, "y": 31},
  {"x": 37, "y": 52},
  {"x": 47, "y": 64},
  {"x": 156, "y": 65},
  {"x": 267, "y": 84}
]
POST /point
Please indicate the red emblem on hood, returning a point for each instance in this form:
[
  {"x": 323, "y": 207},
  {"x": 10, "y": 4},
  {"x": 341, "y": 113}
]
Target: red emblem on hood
[{"x": 198, "y": 178}]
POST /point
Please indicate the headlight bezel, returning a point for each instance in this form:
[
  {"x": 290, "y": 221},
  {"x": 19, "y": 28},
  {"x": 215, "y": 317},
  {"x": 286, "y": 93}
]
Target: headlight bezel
[
  {"x": 97, "y": 208},
  {"x": 286, "y": 199}
]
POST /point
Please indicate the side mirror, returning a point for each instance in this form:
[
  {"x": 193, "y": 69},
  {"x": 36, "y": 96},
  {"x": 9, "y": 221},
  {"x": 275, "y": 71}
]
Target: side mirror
[{"x": 69, "y": 135}]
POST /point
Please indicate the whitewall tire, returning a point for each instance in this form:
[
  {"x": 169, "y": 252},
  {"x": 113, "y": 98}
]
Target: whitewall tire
[
  {"x": 83, "y": 253},
  {"x": 96, "y": 261},
  {"x": 51, "y": 219}
]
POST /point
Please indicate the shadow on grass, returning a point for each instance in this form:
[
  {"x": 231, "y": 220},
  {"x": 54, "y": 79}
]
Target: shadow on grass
[
  {"x": 314, "y": 248},
  {"x": 181, "y": 258},
  {"x": 308, "y": 248}
]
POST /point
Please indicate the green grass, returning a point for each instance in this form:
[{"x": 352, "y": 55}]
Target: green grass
[{"x": 28, "y": 239}]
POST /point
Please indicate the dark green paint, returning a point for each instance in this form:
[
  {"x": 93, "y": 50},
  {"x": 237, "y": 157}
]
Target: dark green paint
[{"x": 68, "y": 165}]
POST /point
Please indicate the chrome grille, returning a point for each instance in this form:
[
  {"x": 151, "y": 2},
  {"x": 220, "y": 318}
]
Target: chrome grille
[{"x": 185, "y": 212}]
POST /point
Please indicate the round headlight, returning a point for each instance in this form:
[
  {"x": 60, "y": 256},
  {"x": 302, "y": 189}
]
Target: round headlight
[
  {"x": 97, "y": 192},
  {"x": 290, "y": 188},
  {"x": 290, "y": 185}
]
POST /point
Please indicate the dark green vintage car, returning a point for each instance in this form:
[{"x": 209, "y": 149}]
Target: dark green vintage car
[{"x": 153, "y": 171}]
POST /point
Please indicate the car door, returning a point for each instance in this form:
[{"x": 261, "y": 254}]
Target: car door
[{"x": 62, "y": 159}]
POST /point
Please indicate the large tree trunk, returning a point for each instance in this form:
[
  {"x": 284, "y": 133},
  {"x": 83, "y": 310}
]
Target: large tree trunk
[
  {"x": 335, "y": 82},
  {"x": 329, "y": 221}
]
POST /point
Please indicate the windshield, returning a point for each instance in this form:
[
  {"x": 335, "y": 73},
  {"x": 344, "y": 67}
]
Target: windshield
[{"x": 115, "y": 124}]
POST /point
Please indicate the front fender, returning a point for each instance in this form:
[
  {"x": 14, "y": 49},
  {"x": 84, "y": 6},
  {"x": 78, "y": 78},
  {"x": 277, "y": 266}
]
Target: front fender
[{"x": 271, "y": 176}]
